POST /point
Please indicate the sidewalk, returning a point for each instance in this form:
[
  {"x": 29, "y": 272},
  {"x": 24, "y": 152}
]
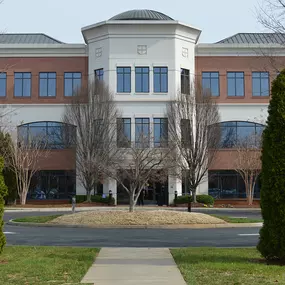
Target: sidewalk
[{"x": 134, "y": 266}]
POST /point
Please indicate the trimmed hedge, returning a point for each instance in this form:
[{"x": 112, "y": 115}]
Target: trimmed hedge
[
  {"x": 203, "y": 199},
  {"x": 94, "y": 199},
  {"x": 272, "y": 235}
]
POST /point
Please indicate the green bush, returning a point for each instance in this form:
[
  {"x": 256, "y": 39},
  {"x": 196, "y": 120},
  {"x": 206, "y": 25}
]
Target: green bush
[
  {"x": 203, "y": 199},
  {"x": 272, "y": 235},
  {"x": 3, "y": 193},
  {"x": 95, "y": 199},
  {"x": 9, "y": 175}
]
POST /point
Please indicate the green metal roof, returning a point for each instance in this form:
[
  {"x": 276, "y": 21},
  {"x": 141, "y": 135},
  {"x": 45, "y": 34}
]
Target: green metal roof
[
  {"x": 149, "y": 15},
  {"x": 254, "y": 38},
  {"x": 27, "y": 39}
]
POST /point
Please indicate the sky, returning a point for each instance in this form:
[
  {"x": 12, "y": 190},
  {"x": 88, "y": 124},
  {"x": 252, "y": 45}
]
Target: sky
[{"x": 63, "y": 19}]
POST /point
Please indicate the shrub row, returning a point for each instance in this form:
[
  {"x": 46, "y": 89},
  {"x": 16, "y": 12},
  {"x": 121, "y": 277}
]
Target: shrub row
[
  {"x": 203, "y": 199},
  {"x": 95, "y": 199}
]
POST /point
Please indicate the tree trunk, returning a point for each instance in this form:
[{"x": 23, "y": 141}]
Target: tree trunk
[
  {"x": 88, "y": 194},
  {"x": 23, "y": 198},
  {"x": 250, "y": 196},
  {"x": 194, "y": 195},
  {"x": 132, "y": 203}
]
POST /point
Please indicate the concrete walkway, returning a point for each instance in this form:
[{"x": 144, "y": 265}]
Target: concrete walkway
[{"x": 134, "y": 266}]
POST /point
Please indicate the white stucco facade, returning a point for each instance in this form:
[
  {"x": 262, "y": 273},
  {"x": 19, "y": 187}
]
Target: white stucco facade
[{"x": 170, "y": 44}]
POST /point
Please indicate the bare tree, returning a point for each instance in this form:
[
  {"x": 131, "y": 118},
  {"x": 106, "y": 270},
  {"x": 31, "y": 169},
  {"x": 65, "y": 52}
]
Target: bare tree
[
  {"x": 24, "y": 161},
  {"x": 195, "y": 134},
  {"x": 137, "y": 163},
  {"x": 247, "y": 162},
  {"x": 94, "y": 113},
  {"x": 271, "y": 14}
]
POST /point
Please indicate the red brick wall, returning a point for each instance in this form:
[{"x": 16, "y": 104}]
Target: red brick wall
[
  {"x": 41, "y": 64},
  {"x": 246, "y": 64},
  {"x": 63, "y": 159}
]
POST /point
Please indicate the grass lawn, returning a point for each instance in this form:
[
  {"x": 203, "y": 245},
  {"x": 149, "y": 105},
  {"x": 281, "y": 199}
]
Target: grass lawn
[
  {"x": 238, "y": 220},
  {"x": 214, "y": 266},
  {"x": 38, "y": 219},
  {"x": 44, "y": 265}
]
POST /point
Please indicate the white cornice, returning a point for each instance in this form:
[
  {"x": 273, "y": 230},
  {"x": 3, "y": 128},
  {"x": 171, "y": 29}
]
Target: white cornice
[
  {"x": 239, "y": 50},
  {"x": 194, "y": 31},
  {"x": 47, "y": 50}
]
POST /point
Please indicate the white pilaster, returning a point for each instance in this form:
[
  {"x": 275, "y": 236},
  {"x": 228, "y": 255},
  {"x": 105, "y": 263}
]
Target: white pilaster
[
  {"x": 110, "y": 184},
  {"x": 174, "y": 184}
]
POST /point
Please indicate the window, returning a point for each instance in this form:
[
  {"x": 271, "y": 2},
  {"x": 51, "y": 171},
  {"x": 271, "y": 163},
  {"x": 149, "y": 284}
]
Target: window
[
  {"x": 99, "y": 73},
  {"x": 142, "y": 132},
  {"x": 235, "y": 83},
  {"x": 47, "y": 84},
  {"x": 22, "y": 84},
  {"x": 50, "y": 135},
  {"x": 260, "y": 84},
  {"x": 160, "y": 132},
  {"x": 185, "y": 132},
  {"x": 3, "y": 84},
  {"x": 229, "y": 184},
  {"x": 142, "y": 79},
  {"x": 124, "y": 132},
  {"x": 72, "y": 82},
  {"x": 210, "y": 83},
  {"x": 234, "y": 132},
  {"x": 185, "y": 81},
  {"x": 123, "y": 79},
  {"x": 160, "y": 79},
  {"x": 52, "y": 184}
]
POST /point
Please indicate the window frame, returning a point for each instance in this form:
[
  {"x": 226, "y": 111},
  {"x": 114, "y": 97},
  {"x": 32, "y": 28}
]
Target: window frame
[
  {"x": 141, "y": 75},
  {"x": 211, "y": 79},
  {"x": 100, "y": 76},
  {"x": 46, "y": 126},
  {"x": 72, "y": 79},
  {"x": 235, "y": 82},
  {"x": 124, "y": 73},
  {"x": 260, "y": 78},
  {"x": 123, "y": 144},
  {"x": 22, "y": 84},
  {"x": 183, "y": 81},
  {"x": 236, "y": 125},
  {"x": 47, "y": 79},
  {"x": 142, "y": 124},
  {"x": 160, "y": 78},
  {"x": 163, "y": 140},
  {"x": 5, "y": 84}
]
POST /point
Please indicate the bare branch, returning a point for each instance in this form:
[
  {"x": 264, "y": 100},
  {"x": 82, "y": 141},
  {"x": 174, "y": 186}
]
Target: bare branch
[
  {"x": 94, "y": 113},
  {"x": 24, "y": 162},
  {"x": 247, "y": 162},
  {"x": 139, "y": 163},
  {"x": 194, "y": 133}
]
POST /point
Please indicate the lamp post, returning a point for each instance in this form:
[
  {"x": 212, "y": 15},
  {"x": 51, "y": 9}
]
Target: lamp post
[
  {"x": 110, "y": 197},
  {"x": 175, "y": 198},
  {"x": 189, "y": 202}
]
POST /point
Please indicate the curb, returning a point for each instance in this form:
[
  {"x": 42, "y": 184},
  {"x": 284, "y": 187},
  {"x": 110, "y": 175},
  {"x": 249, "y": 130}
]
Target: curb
[
  {"x": 82, "y": 209},
  {"x": 193, "y": 226}
]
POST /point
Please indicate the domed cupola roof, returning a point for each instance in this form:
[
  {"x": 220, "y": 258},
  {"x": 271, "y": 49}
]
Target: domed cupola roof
[{"x": 144, "y": 15}]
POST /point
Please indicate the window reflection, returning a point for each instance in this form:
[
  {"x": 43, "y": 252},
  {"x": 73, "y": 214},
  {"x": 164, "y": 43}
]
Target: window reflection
[
  {"x": 50, "y": 135},
  {"x": 56, "y": 184},
  {"x": 233, "y": 133},
  {"x": 228, "y": 184}
]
